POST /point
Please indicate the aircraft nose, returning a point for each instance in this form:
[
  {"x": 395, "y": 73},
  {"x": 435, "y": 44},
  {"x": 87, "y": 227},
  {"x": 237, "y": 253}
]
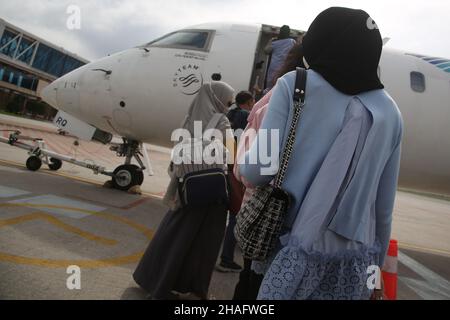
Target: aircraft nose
[{"x": 49, "y": 94}]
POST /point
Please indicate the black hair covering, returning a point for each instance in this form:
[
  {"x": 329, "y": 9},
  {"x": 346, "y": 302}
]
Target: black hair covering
[
  {"x": 285, "y": 32},
  {"x": 344, "y": 46}
]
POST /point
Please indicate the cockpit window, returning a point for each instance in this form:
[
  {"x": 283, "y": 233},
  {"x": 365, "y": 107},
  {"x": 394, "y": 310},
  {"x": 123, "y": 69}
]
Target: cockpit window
[{"x": 185, "y": 39}]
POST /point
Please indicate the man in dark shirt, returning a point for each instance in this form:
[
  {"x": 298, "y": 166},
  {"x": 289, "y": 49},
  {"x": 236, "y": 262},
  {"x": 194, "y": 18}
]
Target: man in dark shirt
[
  {"x": 238, "y": 119},
  {"x": 239, "y": 113}
]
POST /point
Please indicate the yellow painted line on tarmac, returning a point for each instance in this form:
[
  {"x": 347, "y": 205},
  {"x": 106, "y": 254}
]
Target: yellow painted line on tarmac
[
  {"x": 59, "y": 224},
  {"x": 408, "y": 246},
  {"x": 7, "y": 162},
  {"x": 89, "y": 264},
  {"x": 148, "y": 233},
  {"x": 64, "y": 175},
  {"x": 11, "y": 163},
  {"x": 143, "y": 229},
  {"x": 52, "y": 263},
  {"x": 432, "y": 195}
]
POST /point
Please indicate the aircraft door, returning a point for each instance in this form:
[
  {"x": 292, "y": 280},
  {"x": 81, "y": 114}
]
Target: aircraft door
[{"x": 232, "y": 56}]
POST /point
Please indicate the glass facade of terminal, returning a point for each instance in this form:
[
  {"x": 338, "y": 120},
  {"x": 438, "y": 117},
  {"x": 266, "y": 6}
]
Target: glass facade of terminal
[
  {"x": 18, "y": 77},
  {"x": 54, "y": 62},
  {"x": 46, "y": 59},
  {"x": 10, "y": 49}
]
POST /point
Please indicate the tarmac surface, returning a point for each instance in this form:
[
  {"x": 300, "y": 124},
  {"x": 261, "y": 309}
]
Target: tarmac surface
[{"x": 50, "y": 221}]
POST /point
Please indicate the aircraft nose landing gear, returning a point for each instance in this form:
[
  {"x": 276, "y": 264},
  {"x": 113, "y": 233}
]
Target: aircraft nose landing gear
[{"x": 128, "y": 175}]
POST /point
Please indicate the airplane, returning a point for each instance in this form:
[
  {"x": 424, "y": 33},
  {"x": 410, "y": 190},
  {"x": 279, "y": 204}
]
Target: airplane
[{"x": 142, "y": 94}]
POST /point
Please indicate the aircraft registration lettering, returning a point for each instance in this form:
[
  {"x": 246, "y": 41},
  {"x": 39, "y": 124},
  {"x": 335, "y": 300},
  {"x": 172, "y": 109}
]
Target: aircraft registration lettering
[{"x": 191, "y": 55}]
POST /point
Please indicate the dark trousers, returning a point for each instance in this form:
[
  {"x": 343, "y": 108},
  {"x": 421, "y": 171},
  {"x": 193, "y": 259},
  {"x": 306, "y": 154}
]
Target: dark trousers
[
  {"x": 183, "y": 252},
  {"x": 249, "y": 283},
  {"x": 229, "y": 243}
]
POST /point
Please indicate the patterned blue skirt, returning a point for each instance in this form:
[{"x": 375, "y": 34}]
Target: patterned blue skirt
[{"x": 295, "y": 274}]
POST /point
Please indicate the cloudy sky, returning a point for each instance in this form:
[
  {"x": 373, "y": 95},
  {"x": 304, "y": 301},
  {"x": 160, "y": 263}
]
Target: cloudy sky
[{"x": 109, "y": 26}]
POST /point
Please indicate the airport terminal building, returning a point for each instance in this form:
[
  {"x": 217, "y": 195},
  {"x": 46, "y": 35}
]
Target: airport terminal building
[{"x": 28, "y": 64}]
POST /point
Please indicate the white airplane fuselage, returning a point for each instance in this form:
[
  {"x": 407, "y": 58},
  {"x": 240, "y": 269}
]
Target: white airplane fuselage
[{"x": 144, "y": 93}]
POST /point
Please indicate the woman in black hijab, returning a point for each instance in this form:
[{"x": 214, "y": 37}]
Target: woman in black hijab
[
  {"x": 343, "y": 171},
  {"x": 349, "y": 63}
]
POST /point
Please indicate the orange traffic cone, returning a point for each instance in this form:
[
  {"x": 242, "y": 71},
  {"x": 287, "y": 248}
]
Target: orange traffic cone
[{"x": 389, "y": 271}]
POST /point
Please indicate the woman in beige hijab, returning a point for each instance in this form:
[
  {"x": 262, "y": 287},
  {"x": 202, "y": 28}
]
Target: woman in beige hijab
[
  {"x": 213, "y": 99},
  {"x": 180, "y": 259}
]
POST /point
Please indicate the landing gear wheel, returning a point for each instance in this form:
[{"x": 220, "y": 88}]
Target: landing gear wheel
[
  {"x": 34, "y": 163},
  {"x": 55, "y": 164},
  {"x": 127, "y": 176}
]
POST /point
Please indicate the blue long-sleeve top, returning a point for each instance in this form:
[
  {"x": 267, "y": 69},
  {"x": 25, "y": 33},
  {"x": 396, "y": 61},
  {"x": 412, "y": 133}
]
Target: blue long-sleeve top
[
  {"x": 345, "y": 161},
  {"x": 280, "y": 50}
]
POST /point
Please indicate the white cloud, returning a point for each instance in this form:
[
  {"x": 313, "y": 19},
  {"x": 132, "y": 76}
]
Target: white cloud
[{"x": 113, "y": 25}]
